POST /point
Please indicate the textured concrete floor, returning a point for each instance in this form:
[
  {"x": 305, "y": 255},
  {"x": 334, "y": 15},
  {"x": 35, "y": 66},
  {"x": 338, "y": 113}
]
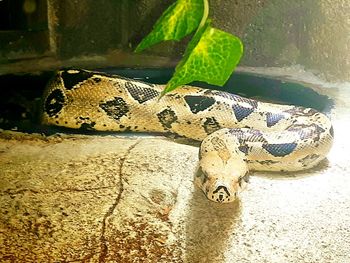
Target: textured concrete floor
[{"x": 120, "y": 199}]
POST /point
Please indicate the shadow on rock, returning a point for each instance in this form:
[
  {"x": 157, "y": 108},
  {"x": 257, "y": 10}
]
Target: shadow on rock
[{"x": 210, "y": 228}]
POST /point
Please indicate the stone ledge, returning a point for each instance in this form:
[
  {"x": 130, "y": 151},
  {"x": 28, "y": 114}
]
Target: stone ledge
[{"x": 90, "y": 198}]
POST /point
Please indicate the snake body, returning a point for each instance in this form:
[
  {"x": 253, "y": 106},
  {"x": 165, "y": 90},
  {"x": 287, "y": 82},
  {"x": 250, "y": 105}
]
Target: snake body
[{"x": 237, "y": 134}]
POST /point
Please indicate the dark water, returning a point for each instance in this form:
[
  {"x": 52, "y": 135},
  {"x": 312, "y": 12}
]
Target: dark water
[{"x": 20, "y": 94}]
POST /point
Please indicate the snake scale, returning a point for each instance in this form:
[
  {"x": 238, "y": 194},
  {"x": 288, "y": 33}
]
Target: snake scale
[{"x": 237, "y": 134}]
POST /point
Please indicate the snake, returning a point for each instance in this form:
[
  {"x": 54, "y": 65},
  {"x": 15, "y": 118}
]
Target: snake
[{"x": 237, "y": 135}]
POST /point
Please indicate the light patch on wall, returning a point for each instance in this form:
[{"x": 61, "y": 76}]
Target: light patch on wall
[{"x": 29, "y": 6}]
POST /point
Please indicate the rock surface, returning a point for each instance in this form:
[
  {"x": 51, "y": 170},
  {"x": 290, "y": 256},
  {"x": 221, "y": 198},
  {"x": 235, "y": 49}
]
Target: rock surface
[{"x": 132, "y": 199}]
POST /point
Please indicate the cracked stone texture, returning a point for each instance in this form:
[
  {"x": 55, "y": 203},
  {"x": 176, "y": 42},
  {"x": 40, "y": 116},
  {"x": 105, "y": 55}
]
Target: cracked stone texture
[
  {"x": 132, "y": 199},
  {"x": 89, "y": 198}
]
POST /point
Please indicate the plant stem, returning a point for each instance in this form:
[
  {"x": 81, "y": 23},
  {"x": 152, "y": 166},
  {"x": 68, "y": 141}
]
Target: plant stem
[{"x": 205, "y": 14}]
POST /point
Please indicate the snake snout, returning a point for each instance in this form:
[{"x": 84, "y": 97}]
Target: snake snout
[{"x": 222, "y": 194}]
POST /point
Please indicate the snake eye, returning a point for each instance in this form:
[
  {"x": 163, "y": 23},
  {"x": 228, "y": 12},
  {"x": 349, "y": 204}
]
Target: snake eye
[
  {"x": 202, "y": 175},
  {"x": 244, "y": 178}
]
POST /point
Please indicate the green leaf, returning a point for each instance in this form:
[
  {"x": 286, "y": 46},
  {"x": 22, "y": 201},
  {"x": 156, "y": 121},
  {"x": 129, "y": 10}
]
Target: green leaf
[
  {"x": 179, "y": 20},
  {"x": 211, "y": 56}
]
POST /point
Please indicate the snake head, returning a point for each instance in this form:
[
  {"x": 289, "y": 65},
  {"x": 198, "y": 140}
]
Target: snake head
[
  {"x": 222, "y": 183},
  {"x": 223, "y": 167}
]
